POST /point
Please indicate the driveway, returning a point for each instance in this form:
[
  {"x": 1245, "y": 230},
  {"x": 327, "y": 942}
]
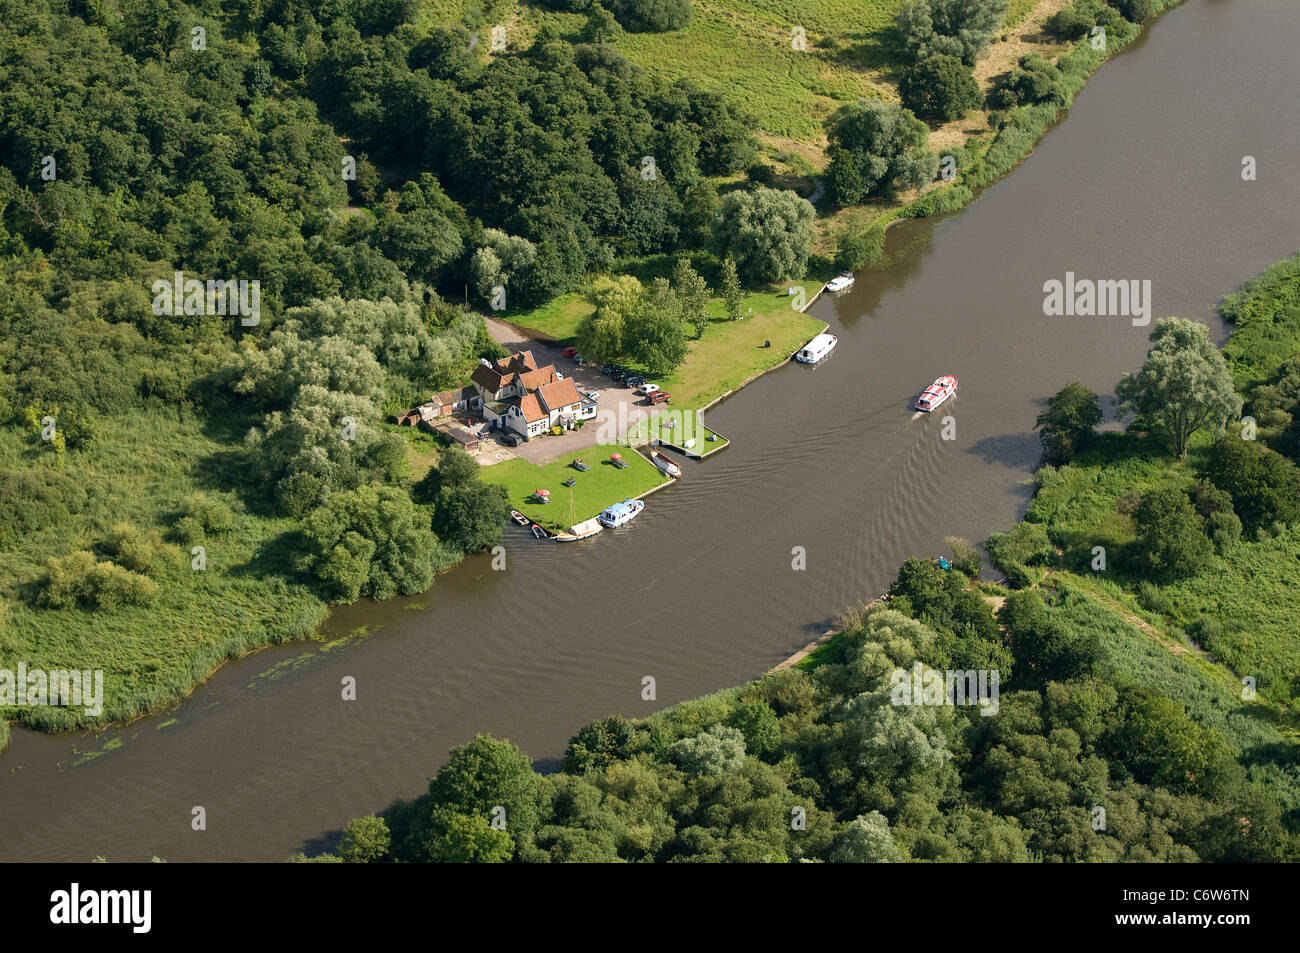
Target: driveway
[{"x": 546, "y": 448}]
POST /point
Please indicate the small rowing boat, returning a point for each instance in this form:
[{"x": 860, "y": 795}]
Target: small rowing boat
[
  {"x": 666, "y": 466},
  {"x": 519, "y": 518}
]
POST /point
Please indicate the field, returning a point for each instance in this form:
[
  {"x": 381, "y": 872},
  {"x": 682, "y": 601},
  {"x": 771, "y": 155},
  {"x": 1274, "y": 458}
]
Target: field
[
  {"x": 598, "y": 488},
  {"x": 141, "y": 466}
]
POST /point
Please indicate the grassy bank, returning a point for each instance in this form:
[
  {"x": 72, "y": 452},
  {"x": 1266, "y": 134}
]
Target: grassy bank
[
  {"x": 598, "y": 488},
  {"x": 152, "y": 654}
]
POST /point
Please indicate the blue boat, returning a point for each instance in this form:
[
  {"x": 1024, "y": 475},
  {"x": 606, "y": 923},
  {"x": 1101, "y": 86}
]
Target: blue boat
[{"x": 621, "y": 513}]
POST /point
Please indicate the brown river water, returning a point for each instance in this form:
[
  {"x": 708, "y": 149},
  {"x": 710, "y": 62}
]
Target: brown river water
[{"x": 1142, "y": 180}]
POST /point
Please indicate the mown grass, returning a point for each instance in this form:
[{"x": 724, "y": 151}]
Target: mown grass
[
  {"x": 139, "y": 468},
  {"x": 727, "y": 355},
  {"x": 600, "y": 487}
]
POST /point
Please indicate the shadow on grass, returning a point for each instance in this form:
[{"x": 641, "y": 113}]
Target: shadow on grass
[{"x": 879, "y": 49}]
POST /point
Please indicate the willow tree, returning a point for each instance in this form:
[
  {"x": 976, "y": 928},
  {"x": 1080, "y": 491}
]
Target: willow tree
[{"x": 1184, "y": 386}]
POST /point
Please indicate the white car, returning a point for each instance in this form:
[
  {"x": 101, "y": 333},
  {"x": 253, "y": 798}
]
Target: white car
[
  {"x": 593, "y": 395},
  {"x": 649, "y": 389}
]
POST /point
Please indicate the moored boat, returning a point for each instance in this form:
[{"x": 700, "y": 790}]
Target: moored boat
[
  {"x": 621, "y": 513},
  {"x": 584, "y": 530},
  {"x": 666, "y": 466},
  {"x": 519, "y": 518},
  {"x": 816, "y": 349},
  {"x": 840, "y": 282},
  {"x": 539, "y": 533},
  {"x": 934, "y": 395}
]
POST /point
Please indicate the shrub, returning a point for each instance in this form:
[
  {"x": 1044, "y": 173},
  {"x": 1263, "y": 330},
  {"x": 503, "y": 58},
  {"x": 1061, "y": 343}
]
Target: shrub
[
  {"x": 132, "y": 548},
  {"x": 937, "y": 201},
  {"x": 651, "y": 16},
  {"x": 213, "y": 515},
  {"x": 187, "y": 532},
  {"x": 1135, "y": 11},
  {"x": 939, "y": 87},
  {"x": 856, "y": 248},
  {"x": 965, "y": 557},
  {"x": 77, "y": 579},
  {"x": 1069, "y": 24}
]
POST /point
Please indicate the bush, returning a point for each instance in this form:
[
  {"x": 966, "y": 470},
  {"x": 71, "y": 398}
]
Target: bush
[
  {"x": 1069, "y": 24},
  {"x": 213, "y": 515},
  {"x": 1152, "y": 598},
  {"x": 937, "y": 201},
  {"x": 965, "y": 557},
  {"x": 855, "y": 249},
  {"x": 1135, "y": 11},
  {"x": 651, "y": 16},
  {"x": 78, "y": 580},
  {"x": 133, "y": 549},
  {"x": 939, "y": 87},
  {"x": 187, "y": 532}
]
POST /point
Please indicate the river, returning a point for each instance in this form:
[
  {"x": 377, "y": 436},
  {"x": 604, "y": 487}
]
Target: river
[{"x": 1141, "y": 180}]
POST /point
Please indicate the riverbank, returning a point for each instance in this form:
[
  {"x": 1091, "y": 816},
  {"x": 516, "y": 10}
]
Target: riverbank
[{"x": 273, "y": 620}]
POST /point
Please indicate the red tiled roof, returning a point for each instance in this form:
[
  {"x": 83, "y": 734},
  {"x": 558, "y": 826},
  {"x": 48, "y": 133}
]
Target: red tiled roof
[
  {"x": 490, "y": 378},
  {"x": 531, "y": 409},
  {"x": 559, "y": 394},
  {"x": 519, "y": 361},
  {"x": 531, "y": 380}
]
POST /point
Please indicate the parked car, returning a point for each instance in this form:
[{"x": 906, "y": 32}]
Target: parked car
[
  {"x": 609, "y": 370},
  {"x": 649, "y": 389},
  {"x": 620, "y": 377},
  {"x": 633, "y": 380},
  {"x": 593, "y": 395},
  {"x": 513, "y": 439},
  {"x": 570, "y": 351},
  {"x": 658, "y": 397}
]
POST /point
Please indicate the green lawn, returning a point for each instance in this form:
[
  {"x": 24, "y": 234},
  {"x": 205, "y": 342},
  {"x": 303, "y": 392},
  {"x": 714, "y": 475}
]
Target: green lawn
[
  {"x": 729, "y": 354},
  {"x": 600, "y": 487}
]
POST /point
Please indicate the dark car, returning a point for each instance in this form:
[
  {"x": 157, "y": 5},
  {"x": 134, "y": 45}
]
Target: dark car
[
  {"x": 513, "y": 439},
  {"x": 609, "y": 370},
  {"x": 634, "y": 380}
]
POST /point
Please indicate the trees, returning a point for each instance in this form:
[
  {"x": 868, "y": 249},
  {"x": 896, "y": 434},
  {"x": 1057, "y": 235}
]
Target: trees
[
  {"x": 371, "y": 541},
  {"x": 654, "y": 333},
  {"x": 867, "y": 840},
  {"x": 1171, "y": 541},
  {"x": 939, "y": 87},
  {"x": 876, "y": 149},
  {"x": 1035, "y": 79},
  {"x": 731, "y": 293},
  {"x": 365, "y": 840},
  {"x": 1068, "y": 423},
  {"x": 652, "y": 16},
  {"x": 1264, "y": 485},
  {"x": 961, "y": 28},
  {"x": 718, "y": 750},
  {"x": 601, "y": 336},
  {"x": 769, "y": 233},
  {"x": 1184, "y": 386},
  {"x": 692, "y": 295}
]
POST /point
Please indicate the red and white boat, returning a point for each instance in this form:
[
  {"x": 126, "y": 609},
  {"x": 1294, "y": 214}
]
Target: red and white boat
[{"x": 936, "y": 393}]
